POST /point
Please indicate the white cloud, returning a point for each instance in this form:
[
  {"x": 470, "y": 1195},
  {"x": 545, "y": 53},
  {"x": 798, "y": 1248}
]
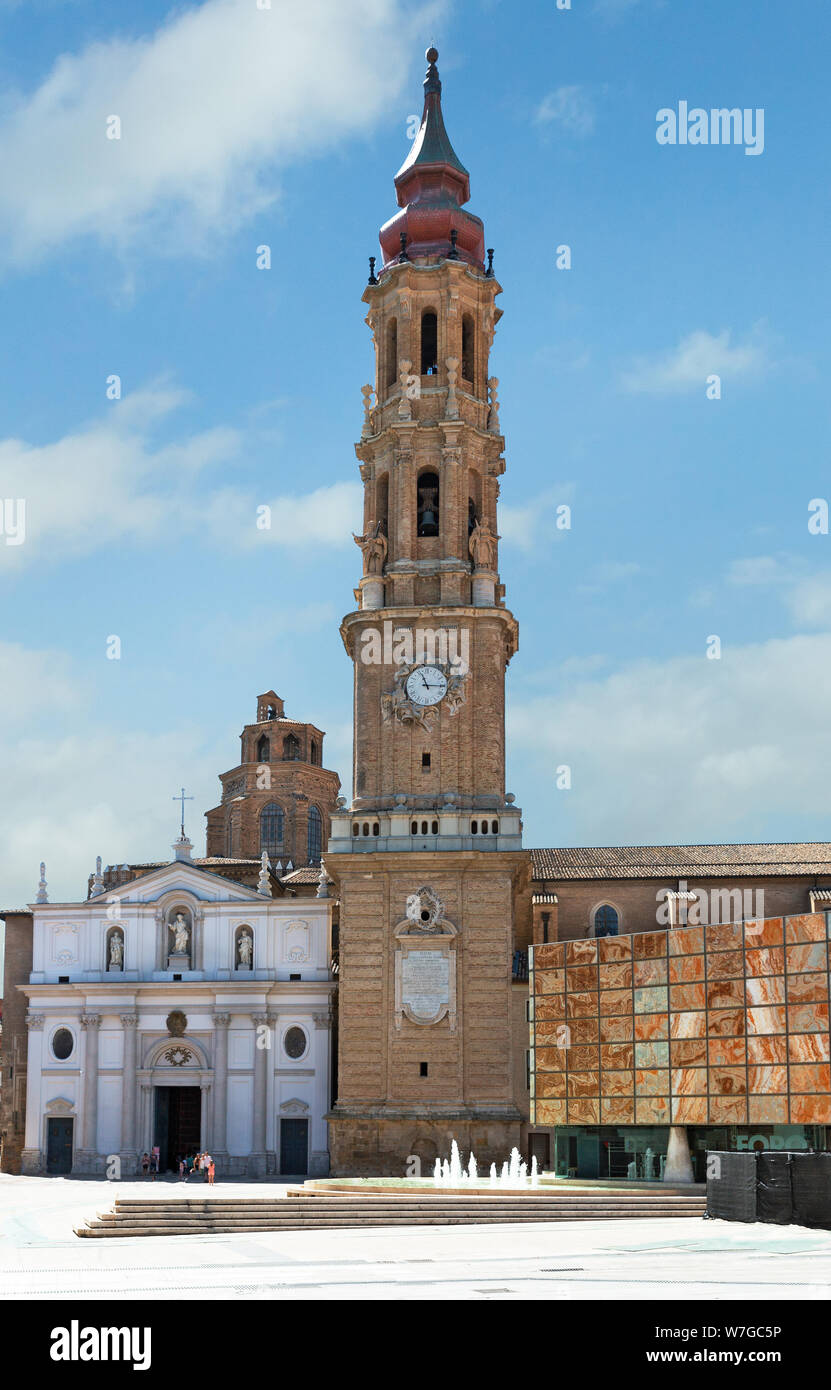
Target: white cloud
[
  {"x": 699, "y": 355},
  {"x": 687, "y": 749},
  {"x": 99, "y": 790},
  {"x": 109, "y": 483},
  {"x": 570, "y": 108},
  {"x": 213, "y": 104},
  {"x": 611, "y": 573},
  {"x": 534, "y": 523},
  {"x": 807, "y": 597},
  {"x": 809, "y": 601}
]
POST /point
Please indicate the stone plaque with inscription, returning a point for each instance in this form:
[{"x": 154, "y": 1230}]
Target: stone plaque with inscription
[{"x": 425, "y": 985}]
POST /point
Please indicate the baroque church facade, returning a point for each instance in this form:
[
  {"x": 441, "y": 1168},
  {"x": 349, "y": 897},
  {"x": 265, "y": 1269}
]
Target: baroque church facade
[{"x": 185, "y": 1004}]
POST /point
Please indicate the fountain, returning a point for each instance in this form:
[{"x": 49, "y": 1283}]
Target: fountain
[{"x": 513, "y": 1173}]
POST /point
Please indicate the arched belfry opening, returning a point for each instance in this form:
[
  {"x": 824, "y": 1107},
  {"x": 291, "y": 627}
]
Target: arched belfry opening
[
  {"x": 391, "y": 369},
  {"x": 468, "y": 357},
  {"x": 429, "y": 343},
  {"x": 263, "y": 749},
  {"x": 428, "y": 504}
]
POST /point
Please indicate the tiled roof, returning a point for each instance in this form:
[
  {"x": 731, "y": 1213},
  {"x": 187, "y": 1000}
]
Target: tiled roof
[
  {"x": 160, "y": 863},
  {"x": 308, "y": 875},
  {"x": 681, "y": 861}
]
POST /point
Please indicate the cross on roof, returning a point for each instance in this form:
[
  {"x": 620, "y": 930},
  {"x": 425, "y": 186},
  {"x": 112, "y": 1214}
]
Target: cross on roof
[{"x": 181, "y": 797}]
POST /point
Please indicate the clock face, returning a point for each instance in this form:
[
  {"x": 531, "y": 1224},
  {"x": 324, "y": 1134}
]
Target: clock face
[{"x": 426, "y": 685}]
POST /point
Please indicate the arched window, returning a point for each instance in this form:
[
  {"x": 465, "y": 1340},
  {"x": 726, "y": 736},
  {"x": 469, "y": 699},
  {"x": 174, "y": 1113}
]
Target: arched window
[
  {"x": 471, "y": 515},
  {"x": 263, "y": 749},
  {"x": 429, "y": 343},
  {"x": 428, "y": 504},
  {"x": 392, "y": 352},
  {"x": 291, "y": 749},
  {"x": 606, "y": 921},
  {"x": 313, "y": 752},
  {"x": 271, "y": 828},
  {"x": 382, "y": 501},
  {"x": 315, "y": 835},
  {"x": 467, "y": 347}
]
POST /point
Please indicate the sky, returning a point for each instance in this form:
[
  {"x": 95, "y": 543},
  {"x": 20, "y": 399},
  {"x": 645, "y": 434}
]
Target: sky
[{"x": 674, "y": 666}]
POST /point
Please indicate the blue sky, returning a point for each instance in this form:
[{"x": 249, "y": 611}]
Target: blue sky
[{"x": 241, "y": 386}]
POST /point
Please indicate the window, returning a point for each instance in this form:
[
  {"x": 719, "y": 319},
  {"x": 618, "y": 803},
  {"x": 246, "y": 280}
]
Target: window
[
  {"x": 382, "y": 502},
  {"x": 271, "y": 828},
  {"x": 63, "y": 1044},
  {"x": 428, "y": 504},
  {"x": 605, "y": 921},
  {"x": 315, "y": 835},
  {"x": 313, "y": 755},
  {"x": 425, "y": 762},
  {"x": 294, "y": 1043},
  {"x": 392, "y": 352},
  {"x": 291, "y": 749},
  {"x": 422, "y": 1068},
  {"x": 467, "y": 347},
  {"x": 263, "y": 750},
  {"x": 429, "y": 344},
  {"x": 471, "y": 515}
]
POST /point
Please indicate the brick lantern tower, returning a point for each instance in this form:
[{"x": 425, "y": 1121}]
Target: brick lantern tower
[
  {"x": 428, "y": 859},
  {"x": 279, "y": 798}
]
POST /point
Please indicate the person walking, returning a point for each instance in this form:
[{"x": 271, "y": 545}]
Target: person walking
[
  {"x": 155, "y": 1162},
  {"x": 182, "y": 1166},
  {"x": 206, "y": 1166},
  {"x": 145, "y": 1164},
  {"x": 211, "y": 1171}
]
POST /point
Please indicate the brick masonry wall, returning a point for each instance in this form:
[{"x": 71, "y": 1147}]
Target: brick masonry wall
[
  {"x": 385, "y": 1106},
  {"x": 636, "y": 901},
  {"x": 18, "y": 967}
]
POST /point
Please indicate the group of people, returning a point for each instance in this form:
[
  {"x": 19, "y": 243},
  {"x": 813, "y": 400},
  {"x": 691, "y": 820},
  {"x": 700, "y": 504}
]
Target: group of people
[
  {"x": 191, "y": 1163},
  {"x": 197, "y": 1163},
  {"x": 150, "y": 1163}
]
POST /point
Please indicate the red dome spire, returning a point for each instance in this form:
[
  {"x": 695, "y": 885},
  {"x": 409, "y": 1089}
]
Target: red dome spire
[{"x": 431, "y": 186}]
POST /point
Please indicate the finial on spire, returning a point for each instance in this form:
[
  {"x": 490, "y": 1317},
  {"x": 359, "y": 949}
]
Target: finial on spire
[
  {"x": 97, "y": 879},
  {"x": 489, "y": 271},
  {"x": 373, "y": 279},
  {"x": 42, "y": 895},
  {"x": 264, "y": 881}
]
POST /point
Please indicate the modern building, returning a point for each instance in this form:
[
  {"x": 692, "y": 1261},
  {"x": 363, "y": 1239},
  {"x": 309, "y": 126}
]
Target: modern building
[{"x": 649, "y": 1048}]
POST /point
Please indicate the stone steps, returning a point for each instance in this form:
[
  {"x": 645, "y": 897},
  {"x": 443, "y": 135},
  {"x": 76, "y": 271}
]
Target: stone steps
[{"x": 136, "y": 1217}]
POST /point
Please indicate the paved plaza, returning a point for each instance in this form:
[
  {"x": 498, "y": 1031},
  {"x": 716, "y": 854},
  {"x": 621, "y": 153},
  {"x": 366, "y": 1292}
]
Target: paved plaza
[{"x": 40, "y": 1257}]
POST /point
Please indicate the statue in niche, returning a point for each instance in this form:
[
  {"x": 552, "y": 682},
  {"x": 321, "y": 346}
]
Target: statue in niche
[
  {"x": 116, "y": 956},
  {"x": 181, "y": 935},
  {"x": 245, "y": 950},
  {"x": 482, "y": 545},
  {"x": 373, "y": 547}
]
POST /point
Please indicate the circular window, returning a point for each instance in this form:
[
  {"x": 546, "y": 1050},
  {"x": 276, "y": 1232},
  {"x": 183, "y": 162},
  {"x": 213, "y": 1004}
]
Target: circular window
[
  {"x": 62, "y": 1044},
  {"x": 295, "y": 1042}
]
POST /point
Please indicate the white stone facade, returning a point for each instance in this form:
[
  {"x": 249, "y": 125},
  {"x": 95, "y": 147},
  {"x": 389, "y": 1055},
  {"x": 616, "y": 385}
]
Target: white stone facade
[{"x": 106, "y": 1032}]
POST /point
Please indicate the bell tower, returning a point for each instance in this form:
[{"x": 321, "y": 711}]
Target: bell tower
[{"x": 428, "y": 857}]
